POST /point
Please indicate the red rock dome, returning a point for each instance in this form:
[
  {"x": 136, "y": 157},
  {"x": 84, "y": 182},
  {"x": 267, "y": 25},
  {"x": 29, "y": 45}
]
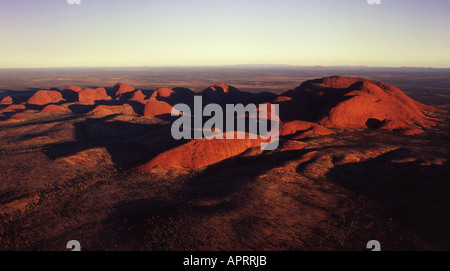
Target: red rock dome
[
  {"x": 200, "y": 153},
  {"x": 352, "y": 103},
  {"x": 43, "y": 97}
]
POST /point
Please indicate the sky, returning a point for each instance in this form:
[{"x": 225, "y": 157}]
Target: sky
[{"x": 132, "y": 33}]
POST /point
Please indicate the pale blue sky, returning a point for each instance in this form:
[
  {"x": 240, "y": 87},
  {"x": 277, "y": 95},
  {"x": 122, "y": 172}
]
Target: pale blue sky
[{"x": 51, "y": 33}]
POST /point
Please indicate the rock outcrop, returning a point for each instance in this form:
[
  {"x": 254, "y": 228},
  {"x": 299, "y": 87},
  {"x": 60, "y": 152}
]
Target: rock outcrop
[
  {"x": 14, "y": 107},
  {"x": 6, "y": 101},
  {"x": 221, "y": 93},
  {"x": 292, "y": 145},
  {"x": 103, "y": 110},
  {"x": 137, "y": 96},
  {"x": 44, "y": 97},
  {"x": 200, "y": 153},
  {"x": 354, "y": 103},
  {"x": 163, "y": 93},
  {"x": 173, "y": 96},
  {"x": 155, "y": 108},
  {"x": 70, "y": 93},
  {"x": 92, "y": 95},
  {"x": 53, "y": 108},
  {"x": 121, "y": 89},
  {"x": 73, "y": 88}
]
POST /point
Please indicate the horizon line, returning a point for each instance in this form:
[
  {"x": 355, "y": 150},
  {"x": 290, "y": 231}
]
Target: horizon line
[{"x": 223, "y": 66}]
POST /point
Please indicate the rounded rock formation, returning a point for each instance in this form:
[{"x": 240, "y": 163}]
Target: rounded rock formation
[
  {"x": 44, "y": 97},
  {"x": 6, "y": 101},
  {"x": 70, "y": 93},
  {"x": 354, "y": 103},
  {"x": 154, "y": 108},
  {"x": 163, "y": 93},
  {"x": 173, "y": 96},
  {"x": 104, "y": 110},
  {"x": 73, "y": 88},
  {"x": 92, "y": 95},
  {"x": 220, "y": 93},
  {"x": 53, "y": 108},
  {"x": 15, "y": 107},
  {"x": 121, "y": 88},
  {"x": 137, "y": 96},
  {"x": 200, "y": 153}
]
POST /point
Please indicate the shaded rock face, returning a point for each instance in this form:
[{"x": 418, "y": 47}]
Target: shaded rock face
[
  {"x": 200, "y": 153},
  {"x": 44, "y": 97},
  {"x": 120, "y": 89},
  {"x": 221, "y": 93},
  {"x": 354, "y": 103},
  {"x": 174, "y": 96},
  {"x": 92, "y": 95},
  {"x": 70, "y": 93},
  {"x": 224, "y": 94},
  {"x": 184, "y": 93}
]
